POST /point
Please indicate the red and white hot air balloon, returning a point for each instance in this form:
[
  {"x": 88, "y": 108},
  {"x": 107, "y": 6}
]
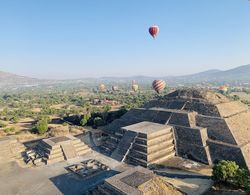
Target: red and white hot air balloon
[
  {"x": 158, "y": 85},
  {"x": 154, "y": 30}
]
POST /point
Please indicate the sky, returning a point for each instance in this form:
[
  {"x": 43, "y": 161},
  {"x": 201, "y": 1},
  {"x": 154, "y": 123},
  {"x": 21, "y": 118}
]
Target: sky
[{"x": 65, "y": 39}]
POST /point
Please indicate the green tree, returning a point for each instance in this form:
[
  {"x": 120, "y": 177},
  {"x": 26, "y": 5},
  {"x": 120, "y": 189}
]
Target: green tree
[
  {"x": 225, "y": 171},
  {"x": 41, "y": 126},
  {"x": 85, "y": 119}
]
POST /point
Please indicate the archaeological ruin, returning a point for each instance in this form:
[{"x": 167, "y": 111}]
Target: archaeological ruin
[{"x": 197, "y": 124}]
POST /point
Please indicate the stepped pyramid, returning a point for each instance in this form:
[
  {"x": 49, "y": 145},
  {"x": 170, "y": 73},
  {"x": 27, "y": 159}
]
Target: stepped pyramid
[
  {"x": 207, "y": 126},
  {"x": 143, "y": 143},
  {"x": 10, "y": 149},
  {"x": 61, "y": 148}
]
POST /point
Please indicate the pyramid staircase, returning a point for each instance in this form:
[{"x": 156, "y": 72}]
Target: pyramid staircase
[{"x": 112, "y": 142}]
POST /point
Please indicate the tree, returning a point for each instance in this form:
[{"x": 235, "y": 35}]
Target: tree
[
  {"x": 41, "y": 126},
  {"x": 225, "y": 170},
  {"x": 85, "y": 119}
]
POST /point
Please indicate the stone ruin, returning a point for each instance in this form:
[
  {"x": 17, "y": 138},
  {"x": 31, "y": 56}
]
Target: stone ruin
[
  {"x": 88, "y": 168},
  {"x": 206, "y": 126},
  {"x": 10, "y": 149},
  {"x": 136, "y": 181},
  {"x": 61, "y": 148}
]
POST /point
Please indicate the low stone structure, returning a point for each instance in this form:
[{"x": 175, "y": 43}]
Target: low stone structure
[
  {"x": 135, "y": 181},
  {"x": 10, "y": 149},
  {"x": 61, "y": 148},
  {"x": 207, "y": 126}
]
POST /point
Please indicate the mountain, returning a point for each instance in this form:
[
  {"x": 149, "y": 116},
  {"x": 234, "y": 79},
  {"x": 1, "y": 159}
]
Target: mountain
[
  {"x": 233, "y": 76},
  {"x": 9, "y": 79}
]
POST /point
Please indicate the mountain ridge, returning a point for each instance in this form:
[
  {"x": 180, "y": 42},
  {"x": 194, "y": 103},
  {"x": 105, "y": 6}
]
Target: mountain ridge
[{"x": 240, "y": 73}]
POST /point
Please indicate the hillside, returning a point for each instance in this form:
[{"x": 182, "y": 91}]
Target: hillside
[{"x": 9, "y": 79}]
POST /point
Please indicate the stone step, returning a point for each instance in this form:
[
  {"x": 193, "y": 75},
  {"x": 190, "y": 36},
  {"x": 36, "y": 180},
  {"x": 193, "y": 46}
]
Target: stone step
[
  {"x": 155, "y": 141},
  {"x": 136, "y": 161},
  {"x": 52, "y": 151},
  {"x": 118, "y": 134},
  {"x": 45, "y": 145},
  {"x": 152, "y": 148},
  {"x": 82, "y": 152},
  {"x": 75, "y": 141},
  {"x": 51, "y": 156},
  {"x": 115, "y": 139},
  {"x": 160, "y": 146},
  {"x": 163, "y": 158},
  {"x": 164, "y": 152},
  {"x": 156, "y": 134},
  {"x": 81, "y": 148},
  {"x": 55, "y": 160},
  {"x": 152, "y": 156},
  {"x": 111, "y": 143}
]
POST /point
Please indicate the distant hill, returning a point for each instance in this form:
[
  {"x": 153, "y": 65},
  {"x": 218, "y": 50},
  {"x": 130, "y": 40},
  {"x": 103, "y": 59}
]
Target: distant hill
[
  {"x": 8, "y": 79},
  {"x": 232, "y": 76},
  {"x": 239, "y": 74},
  {"x": 235, "y": 75}
]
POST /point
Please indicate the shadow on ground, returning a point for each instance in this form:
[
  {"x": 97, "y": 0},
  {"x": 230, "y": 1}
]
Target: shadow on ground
[{"x": 70, "y": 183}]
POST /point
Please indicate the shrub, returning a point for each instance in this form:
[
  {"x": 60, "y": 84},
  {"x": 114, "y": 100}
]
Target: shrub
[
  {"x": 242, "y": 178},
  {"x": 41, "y": 126},
  {"x": 9, "y": 130},
  {"x": 224, "y": 171},
  {"x": 2, "y": 124}
]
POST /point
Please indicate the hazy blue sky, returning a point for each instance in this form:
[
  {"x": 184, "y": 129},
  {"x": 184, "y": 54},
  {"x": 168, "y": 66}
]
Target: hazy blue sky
[{"x": 71, "y": 39}]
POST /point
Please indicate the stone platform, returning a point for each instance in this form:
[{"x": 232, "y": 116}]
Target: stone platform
[
  {"x": 61, "y": 148},
  {"x": 10, "y": 149},
  {"x": 136, "y": 181}
]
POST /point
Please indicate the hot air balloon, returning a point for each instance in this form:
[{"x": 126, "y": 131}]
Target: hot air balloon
[
  {"x": 223, "y": 89},
  {"x": 102, "y": 88},
  {"x": 115, "y": 88},
  {"x": 158, "y": 85},
  {"x": 154, "y": 30},
  {"x": 135, "y": 87}
]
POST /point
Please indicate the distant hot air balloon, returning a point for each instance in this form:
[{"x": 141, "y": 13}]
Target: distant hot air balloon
[
  {"x": 102, "y": 88},
  {"x": 154, "y": 30},
  {"x": 223, "y": 89},
  {"x": 135, "y": 87},
  {"x": 115, "y": 88},
  {"x": 158, "y": 85}
]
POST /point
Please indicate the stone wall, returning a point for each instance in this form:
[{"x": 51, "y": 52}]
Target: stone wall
[
  {"x": 220, "y": 151},
  {"x": 191, "y": 143},
  {"x": 217, "y": 128}
]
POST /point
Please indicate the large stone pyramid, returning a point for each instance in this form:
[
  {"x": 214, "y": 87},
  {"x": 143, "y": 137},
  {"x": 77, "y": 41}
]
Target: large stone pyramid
[{"x": 207, "y": 126}]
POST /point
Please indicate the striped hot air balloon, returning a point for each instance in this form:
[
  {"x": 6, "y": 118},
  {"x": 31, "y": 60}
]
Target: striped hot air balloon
[
  {"x": 158, "y": 85},
  {"x": 154, "y": 30}
]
